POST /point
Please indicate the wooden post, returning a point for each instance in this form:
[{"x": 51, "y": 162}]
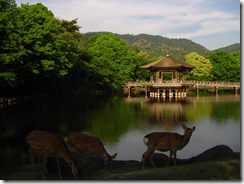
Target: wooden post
[
  {"x": 146, "y": 92},
  {"x": 163, "y": 94},
  {"x": 129, "y": 88},
  {"x": 151, "y": 76},
  {"x": 158, "y": 91},
  {"x": 197, "y": 90},
  {"x": 216, "y": 90},
  {"x": 236, "y": 90}
]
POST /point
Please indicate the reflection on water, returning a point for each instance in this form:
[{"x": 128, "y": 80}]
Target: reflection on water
[
  {"x": 121, "y": 123},
  {"x": 166, "y": 113}
]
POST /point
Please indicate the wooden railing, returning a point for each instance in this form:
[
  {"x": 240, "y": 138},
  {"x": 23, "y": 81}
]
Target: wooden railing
[{"x": 183, "y": 83}]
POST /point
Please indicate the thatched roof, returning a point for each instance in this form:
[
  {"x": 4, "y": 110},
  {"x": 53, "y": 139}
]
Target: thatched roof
[{"x": 167, "y": 63}]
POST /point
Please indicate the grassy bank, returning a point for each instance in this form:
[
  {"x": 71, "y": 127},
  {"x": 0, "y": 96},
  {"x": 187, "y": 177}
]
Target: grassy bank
[{"x": 211, "y": 170}]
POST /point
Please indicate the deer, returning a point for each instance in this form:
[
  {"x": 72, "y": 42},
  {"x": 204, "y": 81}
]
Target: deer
[
  {"x": 166, "y": 141},
  {"x": 48, "y": 144},
  {"x": 81, "y": 142}
]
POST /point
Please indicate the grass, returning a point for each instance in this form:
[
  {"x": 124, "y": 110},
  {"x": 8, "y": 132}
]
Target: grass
[{"x": 211, "y": 170}]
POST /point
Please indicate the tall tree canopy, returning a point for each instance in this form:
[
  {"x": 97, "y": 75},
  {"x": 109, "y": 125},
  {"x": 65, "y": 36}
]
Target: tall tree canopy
[
  {"x": 203, "y": 67},
  {"x": 112, "y": 60},
  {"x": 226, "y": 66},
  {"x": 33, "y": 49}
]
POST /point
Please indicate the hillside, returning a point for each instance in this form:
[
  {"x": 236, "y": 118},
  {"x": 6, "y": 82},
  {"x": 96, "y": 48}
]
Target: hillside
[
  {"x": 231, "y": 48},
  {"x": 157, "y": 46}
]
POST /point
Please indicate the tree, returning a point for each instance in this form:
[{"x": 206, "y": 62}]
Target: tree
[
  {"x": 203, "y": 67},
  {"x": 7, "y": 8},
  {"x": 226, "y": 66},
  {"x": 33, "y": 50},
  {"x": 112, "y": 60},
  {"x": 75, "y": 52}
]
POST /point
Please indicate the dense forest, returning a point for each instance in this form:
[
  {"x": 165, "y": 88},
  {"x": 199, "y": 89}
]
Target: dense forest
[{"x": 41, "y": 54}]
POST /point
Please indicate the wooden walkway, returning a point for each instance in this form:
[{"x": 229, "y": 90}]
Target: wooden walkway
[
  {"x": 194, "y": 84},
  {"x": 180, "y": 86}
]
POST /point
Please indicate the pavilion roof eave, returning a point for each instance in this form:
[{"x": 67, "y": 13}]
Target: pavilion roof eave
[{"x": 167, "y": 63}]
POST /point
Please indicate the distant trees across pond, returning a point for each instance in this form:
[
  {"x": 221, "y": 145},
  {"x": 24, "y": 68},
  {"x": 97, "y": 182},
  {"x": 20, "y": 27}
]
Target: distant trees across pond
[{"x": 40, "y": 53}]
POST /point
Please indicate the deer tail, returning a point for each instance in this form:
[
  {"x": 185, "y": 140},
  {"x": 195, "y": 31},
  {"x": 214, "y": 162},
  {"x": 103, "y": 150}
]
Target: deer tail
[{"x": 145, "y": 140}]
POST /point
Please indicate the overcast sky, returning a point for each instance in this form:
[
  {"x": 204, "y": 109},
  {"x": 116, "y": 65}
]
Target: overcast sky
[{"x": 211, "y": 23}]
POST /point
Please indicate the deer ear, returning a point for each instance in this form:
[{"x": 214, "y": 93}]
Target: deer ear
[
  {"x": 114, "y": 156},
  {"x": 183, "y": 126}
]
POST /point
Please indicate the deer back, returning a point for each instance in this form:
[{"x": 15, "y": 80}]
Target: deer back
[
  {"x": 85, "y": 143},
  {"x": 162, "y": 141},
  {"x": 165, "y": 141}
]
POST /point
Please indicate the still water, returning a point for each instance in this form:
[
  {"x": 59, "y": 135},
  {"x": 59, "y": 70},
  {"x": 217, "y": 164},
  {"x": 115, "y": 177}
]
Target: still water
[{"x": 121, "y": 123}]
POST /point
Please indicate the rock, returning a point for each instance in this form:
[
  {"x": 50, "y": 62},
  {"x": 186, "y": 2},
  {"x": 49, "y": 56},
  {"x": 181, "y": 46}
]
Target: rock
[
  {"x": 217, "y": 152},
  {"x": 89, "y": 162}
]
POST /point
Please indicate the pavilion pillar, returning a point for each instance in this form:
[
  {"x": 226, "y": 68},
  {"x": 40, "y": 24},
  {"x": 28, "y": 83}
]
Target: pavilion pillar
[
  {"x": 151, "y": 76},
  {"x": 236, "y": 90},
  {"x": 179, "y": 92},
  {"x": 146, "y": 92},
  {"x": 163, "y": 94},
  {"x": 184, "y": 77},
  {"x": 129, "y": 91},
  {"x": 216, "y": 90},
  {"x": 157, "y": 76},
  {"x": 197, "y": 90}
]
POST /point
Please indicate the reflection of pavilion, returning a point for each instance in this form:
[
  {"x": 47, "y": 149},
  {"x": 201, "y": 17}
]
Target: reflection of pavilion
[
  {"x": 160, "y": 85},
  {"x": 166, "y": 113}
]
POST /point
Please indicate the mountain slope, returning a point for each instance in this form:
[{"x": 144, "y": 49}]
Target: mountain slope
[
  {"x": 231, "y": 48},
  {"x": 159, "y": 46}
]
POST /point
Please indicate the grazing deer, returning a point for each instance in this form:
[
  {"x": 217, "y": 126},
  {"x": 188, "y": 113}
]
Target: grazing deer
[
  {"x": 165, "y": 141},
  {"x": 49, "y": 144},
  {"x": 84, "y": 143}
]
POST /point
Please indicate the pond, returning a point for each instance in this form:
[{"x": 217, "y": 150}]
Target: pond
[{"x": 121, "y": 123}]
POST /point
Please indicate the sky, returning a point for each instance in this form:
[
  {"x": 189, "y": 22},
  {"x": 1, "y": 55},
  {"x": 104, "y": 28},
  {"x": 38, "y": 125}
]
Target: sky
[{"x": 210, "y": 23}]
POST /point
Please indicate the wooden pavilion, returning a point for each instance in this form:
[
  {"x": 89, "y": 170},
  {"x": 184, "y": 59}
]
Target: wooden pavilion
[{"x": 158, "y": 86}]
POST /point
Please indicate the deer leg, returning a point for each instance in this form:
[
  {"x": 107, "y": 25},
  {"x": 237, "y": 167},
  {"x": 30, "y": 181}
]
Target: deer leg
[
  {"x": 175, "y": 158},
  {"x": 170, "y": 156},
  {"x": 32, "y": 161},
  {"x": 148, "y": 153},
  {"x": 143, "y": 160},
  {"x": 151, "y": 160},
  {"x": 44, "y": 167},
  {"x": 59, "y": 172}
]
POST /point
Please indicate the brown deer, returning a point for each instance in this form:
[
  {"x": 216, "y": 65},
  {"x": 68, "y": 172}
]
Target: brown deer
[
  {"x": 84, "y": 143},
  {"x": 48, "y": 144},
  {"x": 166, "y": 141}
]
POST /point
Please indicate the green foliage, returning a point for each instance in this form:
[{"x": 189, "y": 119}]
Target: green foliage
[
  {"x": 112, "y": 59},
  {"x": 202, "y": 72},
  {"x": 33, "y": 47},
  {"x": 226, "y": 66}
]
